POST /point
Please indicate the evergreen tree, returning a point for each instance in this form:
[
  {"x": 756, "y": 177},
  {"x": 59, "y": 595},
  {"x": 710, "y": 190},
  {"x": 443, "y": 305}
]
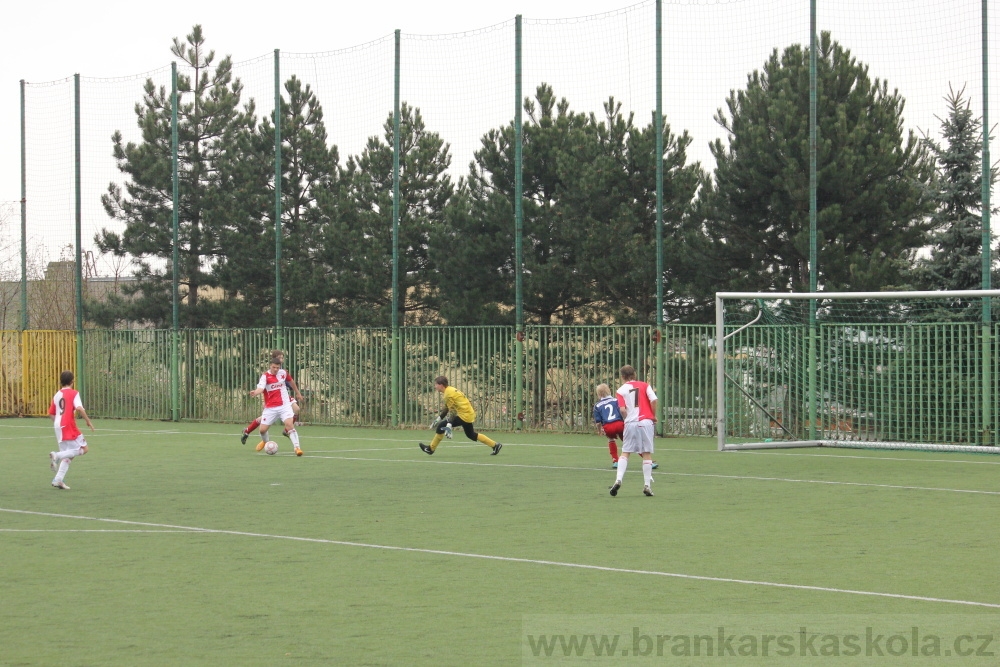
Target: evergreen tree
[
  {"x": 955, "y": 261},
  {"x": 554, "y": 286},
  {"x": 211, "y": 127},
  {"x": 589, "y": 234},
  {"x": 613, "y": 200},
  {"x": 310, "y": 172},
  {"x": 356, "y": 242},
  {"x": 872, "y": 196}
]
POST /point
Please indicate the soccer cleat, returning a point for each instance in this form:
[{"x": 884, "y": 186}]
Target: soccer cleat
[
  {"x": 648, "y": 491},
  {"x": 655, "y": 465},
  {"x": 243, "y": 438},
  {"x": 298, "y": 451},
  {"x": 447, "y": 431},
  {"x": 614, "y": 488},
  {"x": 53, "y": 463},
  {"x": 260, "y": 446},
  {"x": 285, "y": 433},
  {"x": 496, "y": 449},
  {"x": 614, "y": 464},
  {"x": 426, "y": 449},
  {"x": 60, "y": 485}
]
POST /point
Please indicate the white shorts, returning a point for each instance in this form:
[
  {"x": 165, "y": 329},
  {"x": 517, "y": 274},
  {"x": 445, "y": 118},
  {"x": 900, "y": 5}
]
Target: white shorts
[
  {"x": 72, "y": 445},
  {"x": 279, "y": 414},
  {"x": 638, "y": 438}
]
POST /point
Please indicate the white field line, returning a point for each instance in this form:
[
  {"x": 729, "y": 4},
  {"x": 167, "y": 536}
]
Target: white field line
[
  {"x": 81, "y": 530},
  {"x": 665, "y": 472},
  {"x": 102, "y": 431},
  {"x": 314, "y": 454},
  {"x": 409, "y": 440},
  {"x": 528, "y": 561},
  {"x": 855, "y": 456}
]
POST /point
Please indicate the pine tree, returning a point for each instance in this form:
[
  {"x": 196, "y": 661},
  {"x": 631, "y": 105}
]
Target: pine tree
[
  {"x": 356, "y": 243},
  {"x": 955, "y": 261},
  {"x": 613, "y": 198},
  {"x": 589, "y": 235},
  {"x": 211, "y": 129},
  {"x": 872, "y": 196},
  {"x": 555, "y": 288},
  {"x": 310, "y": 172}
]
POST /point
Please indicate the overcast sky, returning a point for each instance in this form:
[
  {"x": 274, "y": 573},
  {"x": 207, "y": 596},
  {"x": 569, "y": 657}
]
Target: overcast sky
[
  {"x": 46, "y": 40},
  {"x": 463, "y": 84}
]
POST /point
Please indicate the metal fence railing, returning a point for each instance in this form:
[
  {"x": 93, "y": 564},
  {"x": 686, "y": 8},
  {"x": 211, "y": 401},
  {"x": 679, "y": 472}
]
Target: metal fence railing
[
  {"x": 346, "y": 374},
  {"x": 907, "y": 382}
]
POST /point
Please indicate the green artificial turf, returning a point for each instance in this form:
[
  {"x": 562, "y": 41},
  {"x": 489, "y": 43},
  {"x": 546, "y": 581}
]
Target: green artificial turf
[{"x": 366, "y": 551}]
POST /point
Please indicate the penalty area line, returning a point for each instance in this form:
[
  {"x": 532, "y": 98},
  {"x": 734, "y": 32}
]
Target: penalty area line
[{"x": 524, "y": 561}]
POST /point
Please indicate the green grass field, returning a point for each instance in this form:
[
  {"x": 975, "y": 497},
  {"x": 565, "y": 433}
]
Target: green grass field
[{"x": 179, "y": 546}]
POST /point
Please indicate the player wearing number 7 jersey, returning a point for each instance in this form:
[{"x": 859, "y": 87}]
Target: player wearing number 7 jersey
[
  {"x": 608, "y": 418},
  {"x": 637, "y": 402}
]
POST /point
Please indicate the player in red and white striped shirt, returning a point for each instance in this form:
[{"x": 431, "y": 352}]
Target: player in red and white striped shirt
[
  {"x": 637, "y": 402},
  {"x": 65, "y": 404},
  {"x": 277, "y": 406}
]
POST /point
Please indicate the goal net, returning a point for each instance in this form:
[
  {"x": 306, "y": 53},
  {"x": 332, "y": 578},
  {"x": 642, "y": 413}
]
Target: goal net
[{"x": 888, "y": 370}]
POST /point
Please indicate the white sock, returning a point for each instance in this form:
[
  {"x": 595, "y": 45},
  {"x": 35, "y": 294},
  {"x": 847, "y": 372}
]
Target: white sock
[
  {"x": 647, "y": 471},
  {"x": 622, "y": 467},
  {"x": 63, "y": 467},
  {"x": 294, "y": 435}
]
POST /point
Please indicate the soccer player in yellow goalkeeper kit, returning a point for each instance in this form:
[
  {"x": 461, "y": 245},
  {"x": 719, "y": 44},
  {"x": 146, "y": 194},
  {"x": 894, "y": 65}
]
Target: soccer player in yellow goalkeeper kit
[{"x": 462, "y": 415}]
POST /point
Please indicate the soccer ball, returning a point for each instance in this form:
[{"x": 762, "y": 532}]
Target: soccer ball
[{"x": 271, "y": 447}]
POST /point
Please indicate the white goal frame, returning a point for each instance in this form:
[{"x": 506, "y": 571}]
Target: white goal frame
[{"x": 721, "y": 378}]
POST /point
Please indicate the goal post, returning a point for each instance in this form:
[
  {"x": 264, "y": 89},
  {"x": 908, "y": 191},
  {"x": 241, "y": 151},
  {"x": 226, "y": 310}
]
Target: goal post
[{"x": 874, "y": 370}]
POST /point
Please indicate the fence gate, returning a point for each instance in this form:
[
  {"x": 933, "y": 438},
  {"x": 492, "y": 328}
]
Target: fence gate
[{"x": 44, "y": 355}]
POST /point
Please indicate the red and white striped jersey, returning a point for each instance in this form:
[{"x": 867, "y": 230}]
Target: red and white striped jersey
[
  {"x": 635, "y": 397},
  {"x": 275, "y": 390},
  {"x": 63, "y": 409}
]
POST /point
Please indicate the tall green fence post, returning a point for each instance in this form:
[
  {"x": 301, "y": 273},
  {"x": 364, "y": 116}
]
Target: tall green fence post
[
  {"x": 394, "y": 349},
  {"x": 660, "y": 342},
  {"x": 987, "y": 437},
  {"x": 518, "y": 228},
  {"x": 24, "y": 218},
  {"x": 80, "y": 365},
  {"x": 813, "y": 252},
  {"x": 279, "y": 334},
  {"x": 175, "y": 365}
]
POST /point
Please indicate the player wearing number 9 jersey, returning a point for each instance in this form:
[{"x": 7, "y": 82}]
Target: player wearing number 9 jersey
[{"x": 65, "y": 404}]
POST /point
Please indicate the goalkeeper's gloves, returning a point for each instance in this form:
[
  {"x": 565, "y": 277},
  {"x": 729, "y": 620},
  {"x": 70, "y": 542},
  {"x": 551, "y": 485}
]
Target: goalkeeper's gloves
[
  {"x": 447, "y": 430},
  {"x": 437, "y": 420}
]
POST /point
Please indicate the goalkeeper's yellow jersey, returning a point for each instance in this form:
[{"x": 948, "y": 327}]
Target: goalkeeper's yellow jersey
[{"x": 459, "y": 404}]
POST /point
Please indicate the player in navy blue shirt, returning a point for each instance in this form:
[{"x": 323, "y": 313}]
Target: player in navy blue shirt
[{"x": 608, "y": 418}]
